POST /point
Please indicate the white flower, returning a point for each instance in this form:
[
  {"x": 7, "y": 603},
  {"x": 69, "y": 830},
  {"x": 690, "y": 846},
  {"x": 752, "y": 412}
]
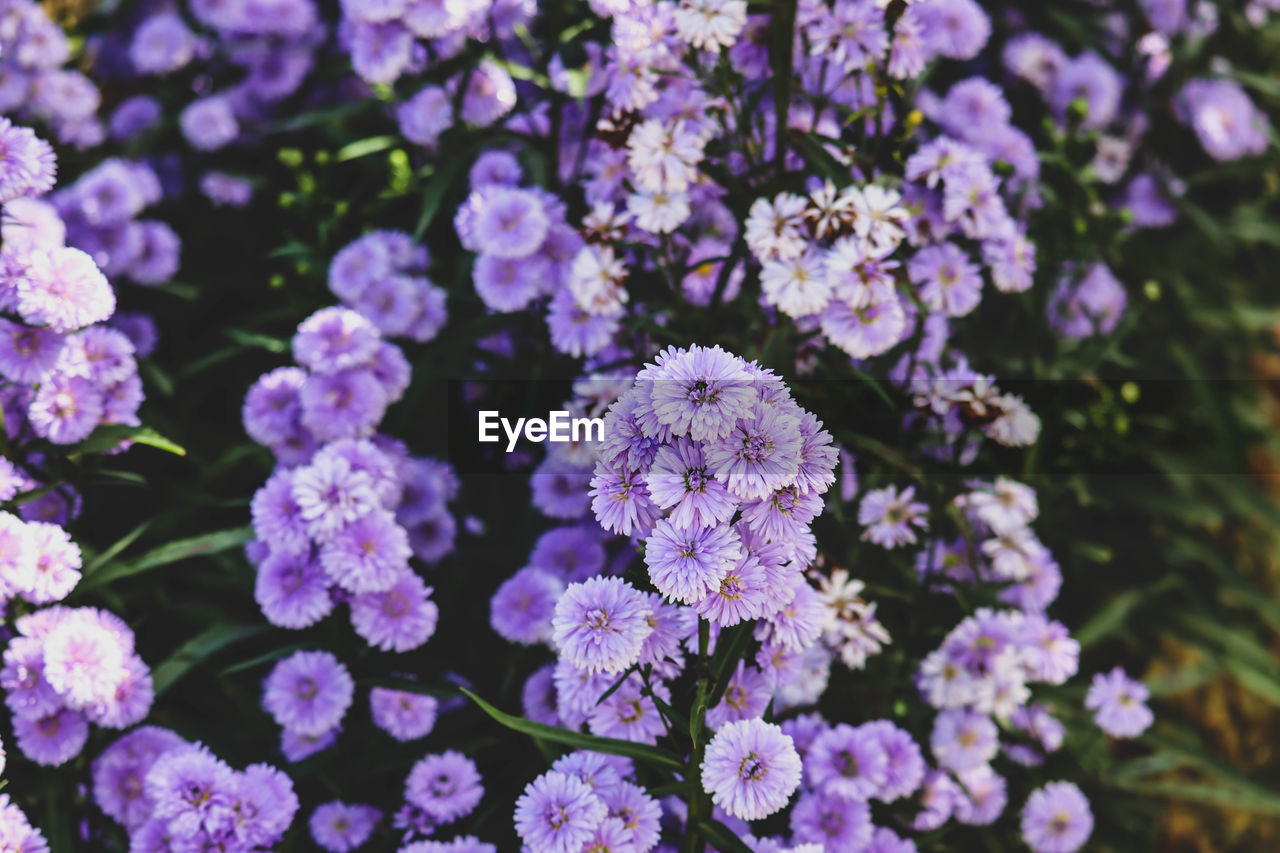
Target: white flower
[
  {"x": 659, "y": 212},
  {"x": 878, "y": 216},
  {"x": 775, "y": 229},
  {"x": 662, "y": 157},
  {"x": 711, "y": 24},
  {"x": 796, "y": 286},
  {"x": 595, "y": 280}
]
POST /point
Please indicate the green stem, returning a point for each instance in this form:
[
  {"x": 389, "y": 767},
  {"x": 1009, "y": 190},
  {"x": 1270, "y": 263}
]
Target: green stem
[{"x": 699, "y": 804}]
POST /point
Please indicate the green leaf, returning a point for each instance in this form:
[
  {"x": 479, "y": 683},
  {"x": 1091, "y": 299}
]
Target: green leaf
[
  {"x": 610, "y": 746},
  {"x": 172, "y": 552},
  {"x": 433, "y": 195},
  {"x": 106, "y": 438},
  {"x": 365, "y": 147},
  {"x": 115, "y": 549},
  {"x": 725, "y": 839},
  {"x": 1221, "y": 796},
  {"x": 205, "y": 644}
]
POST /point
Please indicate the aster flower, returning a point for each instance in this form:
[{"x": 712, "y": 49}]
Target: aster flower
[
  {"x": 962, "y": 740},
  {"x": 630, "y": 714},
  {"x": 404, "y": 715},
  {"x": 847, "y": 762},
  {"x": 557, "y": 813},
  {"x": 52, "y": 739},
  {"x": 64, "y": 290},
  {"x": 209, "y": 123},
  {"x": 710, "y": 24},
  {"x": 750, "y": 769},
  {"x": 600, "y": 625},
  {"x": 27, "y": 165},
  {"x": 368, "y": 554},
  {"x": 1119, "y": 704},
  {"x": 831, "y": 823},
  {"x": 621, "y": 501},
  {"x": 700, "y": 392},
  {"x": 445, "y": 786},
  {"x": 1056, "y": 819},
  {"x": 521, "y": 609},
  {"x": 397, "y": 620},
  {"x": 292, "y": 590},
  {"x": 685, "y": 565},
  {"x": 308, "y": 692},
  {"x": 338, "y": 827},
  {"x": 888, "y": 516}
]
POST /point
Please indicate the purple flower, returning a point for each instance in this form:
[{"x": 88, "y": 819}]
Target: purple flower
[
  {"x": 750, "y": 769},
  {"x": 52, "y": 739},
  {"x": 831, "y": 822},
  {"x": 948, "y": 282},
  {"x": 761, "y": 452},
  {"x": 888, "y": 516},
  {"x": 490, "y": 94},
  {"x": 425, "y": 116},
  {"x": 557, "y": 813},
  {"x": 368, "y": 554},
  {"x": 847, "y": 762},
  {"x": 445, "y": 786},
  {"x": 522, "y": 608},
  {"x": 191, "y": 789},
  {"x": 1227, "y": 123},
  {"x": 1056, "y": 819},
  {"x": 308, "y": 692},
  {"x": 338, "y": 827},
  {"x": 1089, "y": 305},
  {"x": 621, "y": 501},
  {"x": 120, "y": 771},
  {"x": 27, "y": 166},
  {"x": 957, "y": 29},
  {"x": 28, "y": 355},
  {"x": 402, "y": 618},
  {"x": 1090, "y": 79},
  {"x": 680, "y": 481},
  {"x": 601, "y": 624},
  {"x": 508, "y": 284},
  {"x": 330, "y": 494},
  {"x": 686, "y": 565},
  {"x": 292, "y": 590},
  {"x": 509, "y": 222},
  {"x": 560, "y": 488},
  {"x": 209, "y": 123},
  {"x": 701, "y": 392},
  {"x": 162, "y": 44},
  {"x": 962, "y": 740},
  {"x": 1119, "y": 704},
  {"x": 629, "y": 714},
  {"x": 402, "y": 714}
]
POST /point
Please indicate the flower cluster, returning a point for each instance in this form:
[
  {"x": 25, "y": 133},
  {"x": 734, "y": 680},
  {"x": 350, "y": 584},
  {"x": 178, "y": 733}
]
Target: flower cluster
[
  {"x": 346, "y": 508},
  {"x": 380, "y": 276},
  {"x": 585, "y": 800},
  {"x": 67, "y": 668},
  {"x": 167, "y": 792}
]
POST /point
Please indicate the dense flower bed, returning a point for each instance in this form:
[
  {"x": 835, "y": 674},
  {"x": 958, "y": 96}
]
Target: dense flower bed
[{"x": 863, "y": 297}]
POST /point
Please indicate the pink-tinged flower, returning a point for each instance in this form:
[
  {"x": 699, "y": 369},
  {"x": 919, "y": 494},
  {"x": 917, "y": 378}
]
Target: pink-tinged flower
[{"x": 402, "y": 714}]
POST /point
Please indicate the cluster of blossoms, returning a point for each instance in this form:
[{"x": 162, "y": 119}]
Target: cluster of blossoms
[
  {"x": 34, "y": 85},
  {"x": 100, "y": 211},
  {"x": 388, "y": 40},
  {"x": 173, "y": 795},
  {"x": 588, "y": 801},
  {"x": 346, "y": 508},
  {"x": 380, "y": 276},
  {"x": 69, "y": 667},
  {"x": 66, "y": 372}
]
